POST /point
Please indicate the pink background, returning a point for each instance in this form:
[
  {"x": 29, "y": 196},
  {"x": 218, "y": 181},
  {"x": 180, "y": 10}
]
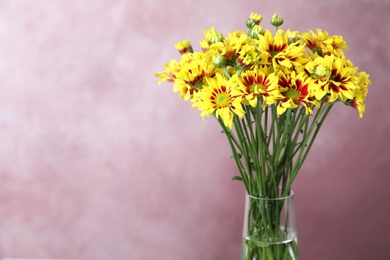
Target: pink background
[{"x": 98, "y": 162}]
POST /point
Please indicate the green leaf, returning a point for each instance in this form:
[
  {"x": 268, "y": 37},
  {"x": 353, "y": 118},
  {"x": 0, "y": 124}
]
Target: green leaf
[
  {"x": 239, "y": 156},
  {"x": 237, "y": 178}
]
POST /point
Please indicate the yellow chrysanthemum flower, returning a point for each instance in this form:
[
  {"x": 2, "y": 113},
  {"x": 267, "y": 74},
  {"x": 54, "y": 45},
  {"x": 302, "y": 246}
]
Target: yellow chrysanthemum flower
[
  {"x": 280, "y": 52},
  {"x": 363, "y": 82},
  {"x": 228, "y": 47},
  {"x": 168, "y": 75},
  {"x": 237, "y": 40},
  {"x": 256, "y": 18},
  {"x": 238, "y": 49},
  {"x": 248, "y": 55},
  {"x": 360, "y": 93},
  {"x": 296, "y": 90},
  {"x": 194, "y": 67},
  {"x": 204, "y": 44},
  {"x": 184, "y": 46},
  {"x": 338, "y": 44},
  {"x": 322, "y": 44},
  {"x": 220, "y": 97},
  {"x": 258, "y": 83},
  {"x": 320, "y": 69},
  {"x": 341, "y": 83}
]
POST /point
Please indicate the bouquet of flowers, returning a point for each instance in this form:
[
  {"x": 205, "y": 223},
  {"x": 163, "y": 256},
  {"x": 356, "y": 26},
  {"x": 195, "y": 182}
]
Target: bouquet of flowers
[{"x": 270, "y": 92}]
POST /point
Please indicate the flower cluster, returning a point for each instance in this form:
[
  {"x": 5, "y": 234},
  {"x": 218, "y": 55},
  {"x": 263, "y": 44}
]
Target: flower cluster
[
  {"x": 257, "y": 67},
  {"x": 276, "y": 89}
]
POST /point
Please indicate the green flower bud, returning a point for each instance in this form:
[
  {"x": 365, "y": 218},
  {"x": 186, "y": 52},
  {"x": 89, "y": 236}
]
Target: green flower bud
[
  {"x": 293, "y": 37},
  {"x": 256, "y": 31},
  {"x": 277, "y": 20},
  {"x": 217, "y": 37},
  {"x": 219, "y": 61},
  {"x": 250, "y": 23},
  {"x": 321, "y": 71},
  {"x": 254, "y": 19}
]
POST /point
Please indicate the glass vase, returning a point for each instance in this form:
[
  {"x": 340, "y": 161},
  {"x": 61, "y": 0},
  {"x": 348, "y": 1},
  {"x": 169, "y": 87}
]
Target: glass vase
[{"x": 269, "y": 229}]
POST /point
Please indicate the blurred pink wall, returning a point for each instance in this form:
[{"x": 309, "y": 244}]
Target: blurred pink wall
[{"x": 98, "y": 162}]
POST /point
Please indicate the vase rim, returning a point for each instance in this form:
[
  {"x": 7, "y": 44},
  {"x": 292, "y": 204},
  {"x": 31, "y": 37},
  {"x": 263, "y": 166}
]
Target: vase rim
[{"x": 290, "y": 195}]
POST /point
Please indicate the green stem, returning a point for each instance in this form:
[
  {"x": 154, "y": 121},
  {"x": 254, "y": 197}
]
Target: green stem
[
  {"x": 309, "y": 139},
  {"x": 236, "y": 155}
]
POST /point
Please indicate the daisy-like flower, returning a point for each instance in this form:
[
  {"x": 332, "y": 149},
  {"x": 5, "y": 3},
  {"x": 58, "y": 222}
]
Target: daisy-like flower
[
  {"x": 236, "y": 42},
  {"x": 322, "y": 44},
  {"x": 219, "y": 97},
  {"x": 341, "y": 84},
  {"x": 279, "y": 52},
  {"x": 337, "y": 46},
  {"x": 221, "y": 48},
  {"x": 258, "y": 83},
  {"x": 248, "y": 55},
  {"x": 296, "y": 91},
  {"x": 194, "y": 67},
  {"x": 238, "y": 49},
  {"x": 184, "y": 46},
  {"x": 320, "y": 69},
  {"x": 228, "y": 47},
  {"x": 168, "y": 75},
  {"x": 360, "y": 93}
]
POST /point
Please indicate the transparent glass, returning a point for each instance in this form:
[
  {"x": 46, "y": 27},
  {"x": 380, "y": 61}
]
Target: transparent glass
[{"x": 270, "y": 229}]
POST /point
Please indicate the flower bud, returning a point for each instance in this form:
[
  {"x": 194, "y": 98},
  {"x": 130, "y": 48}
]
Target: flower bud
[
  {"x": 212, "y": 36},
  {"x": 254, "y": 19},
  {"x": 277, "y": 20},
  {"x": 215, "y": 38},
  {"x": 320, "y": 71},
  {"x": 256, "y": 31},
  {"x": 292, "y": 36},
  {"x": 184, "y": 46},
  {"x": 250, "y": 23},
  {"x": 219, "y": 61}
]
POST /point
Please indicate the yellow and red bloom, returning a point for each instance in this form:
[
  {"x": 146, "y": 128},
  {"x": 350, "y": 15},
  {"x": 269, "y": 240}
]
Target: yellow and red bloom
[
  {"x": 184, "y": 46},
  {"x": 258, "y": 83},
  {"x": 320, "y": 69},
  {"x": 322, "y": 44},
  {"x": 241, "y": 47},
  {"x": 220, "y": 97},
  {"x": 280, "y": 52},
  {"x": 238, "y": 49},
  {"x": 230, "y": 46},
  {"x": 341, "y": 84},
  {"x": 296, "y": 90},
  {"x": 360, "y": 93},
  {"x": 254, "y": 19},
  {"x": 190, "y": 73},
  {"x": 248, "y": 56},
  {"x": 168, "y": 75}
]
